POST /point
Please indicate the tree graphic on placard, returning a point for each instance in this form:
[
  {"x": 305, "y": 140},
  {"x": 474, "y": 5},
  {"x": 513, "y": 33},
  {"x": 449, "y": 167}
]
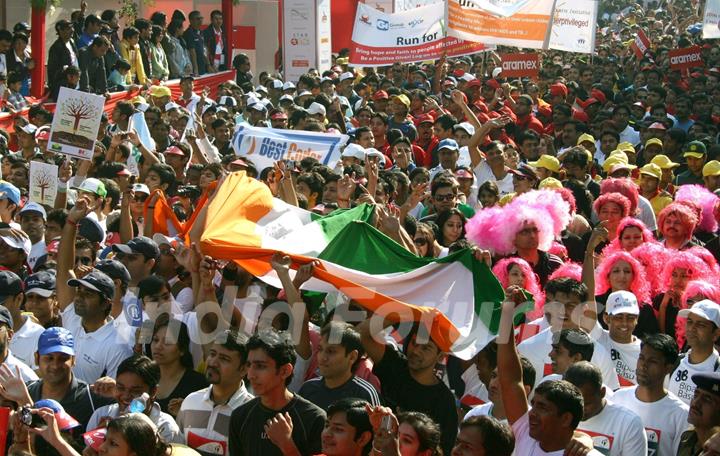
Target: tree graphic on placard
[
  {"x": 43, "y": 179},
  {"x": 79, "y": 110}
]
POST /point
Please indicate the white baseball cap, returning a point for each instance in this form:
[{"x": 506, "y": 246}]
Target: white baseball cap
[
  {"x": 467, "y": 77},
  {"x": 466, "y": 126},
  {"x": 316, "y": 108},
  {"x": 372, "y": 152},
  {"x": 622, "y": 302},
  {"x": 346, "y": 75},
  {"x": 288, "y": 86},
  {"x": 706, "y": 309},
  {"x": 141, "y": 188},
  {"x": 355, "y": 151},
  {"x": 277, "y": 84},
  {"x": 34, "y": 207}
]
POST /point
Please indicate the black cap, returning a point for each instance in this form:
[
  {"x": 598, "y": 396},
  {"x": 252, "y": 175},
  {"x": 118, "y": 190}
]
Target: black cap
[
  {"x": 10, "y": 285},
  {"x": 708, "y": 381},
  {"x": 91, "y": 230},
  {"x": 140, "y": 244},
  {"x": 525, "y": 170},
  {"x": 5, "y": 317},
  {"x": 96, "y": 281},
  {"x": 63, "y": 23},
  {"x": 41, "y": 283},
  {"x": 22, "y": 27},
  {"x": 114, "y": 269}
]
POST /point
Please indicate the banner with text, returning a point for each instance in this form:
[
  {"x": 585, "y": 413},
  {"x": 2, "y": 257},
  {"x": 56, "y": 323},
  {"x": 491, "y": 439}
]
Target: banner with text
[
  {"x": 711, "y": 20},
  {"x": 264, "y": 146},
  {"x": 520, "y": 65},
  {"x": 640, "y": 45},
  {"x": 684, "y": 58},
  {"x": 520, "y": 23},
  {"x": 574, "y": 25},
  {"x": 306, "y": 37},
  {"x": 76, "y": 123},
  {"x": 406, "y": 5},
  {"x": 410, "y": 36}
]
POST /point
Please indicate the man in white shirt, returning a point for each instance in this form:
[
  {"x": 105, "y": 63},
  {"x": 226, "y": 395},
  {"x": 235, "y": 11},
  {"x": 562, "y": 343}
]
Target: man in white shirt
[
  {"x": 557, "y": 406},
  {"x": 615, "y": 430},
  {"x": 32, "y": 222},
  {"x": 6, "y": 333},
  {"x": 702, "y": 329},
  {"x": 26, "y": 332},
  {"x": 204, "y": 415},
  {"x": 621, "y": 316},
  {"x": 663, "y": 415}
]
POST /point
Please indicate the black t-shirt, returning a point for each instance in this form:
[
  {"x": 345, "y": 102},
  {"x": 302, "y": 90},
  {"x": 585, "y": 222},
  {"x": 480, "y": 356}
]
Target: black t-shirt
[
  {"x": 190, "y": 382},
  {"x": 403, "y": 393},
  {"x": 316, "y": 391},
  {"x": 247, "y": 428}
]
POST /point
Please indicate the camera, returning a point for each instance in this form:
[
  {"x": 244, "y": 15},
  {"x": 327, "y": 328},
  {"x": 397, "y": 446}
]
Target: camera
[{"x": 31, "y": 420}]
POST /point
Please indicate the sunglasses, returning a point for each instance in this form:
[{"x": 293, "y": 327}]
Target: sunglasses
[
  {"x": 420, "y": 241},
  {"x": 449, "y": 197},
  {"x": 140, "y": 199}
]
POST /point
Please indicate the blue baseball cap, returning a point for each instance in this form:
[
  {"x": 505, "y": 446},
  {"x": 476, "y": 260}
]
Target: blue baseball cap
[
  {"x": 10, "y": 192},
  {"x": 448, "y": 144},
  {"x": 56, "y": 340},
  {"x": 63, "y": 418}
]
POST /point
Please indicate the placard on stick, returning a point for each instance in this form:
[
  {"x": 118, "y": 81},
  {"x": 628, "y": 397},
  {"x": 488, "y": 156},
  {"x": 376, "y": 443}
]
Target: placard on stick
[{"x": 76, "y": 123}]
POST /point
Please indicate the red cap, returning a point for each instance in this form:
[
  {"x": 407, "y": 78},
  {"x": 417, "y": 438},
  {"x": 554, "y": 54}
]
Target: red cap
[
  {"x": 599, "y": 95},
  {"x": 559, "y": 90},
  {"x": 462, "y": 173},
  {"x": 473, "y": 83},
  {"x": 174, "y": 150},
  {"x": 482, "y": 117},
  {"x": 124, "y": 172},
  {"x": 580, "y": 116},
  {"x": 458, "y": 73},
  {"x": 279, "y": 115},
  {"x": 423, "y": 118},
  {"x": 544, "y": 110},
  {"x": 42, "y": 135},
  {"x": 53, "y": 246},
  {"x": 492, "y": 83},
  {"x": 590, "y": 101},
  {"x": 380, "y": 95},
  {"x": 239, "y": 162}
]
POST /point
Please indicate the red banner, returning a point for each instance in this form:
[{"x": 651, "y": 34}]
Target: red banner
[
  {"x": 520, "y": 65},
  {"x": 641, "y": 44},
  {"x": 681, "y": 59},
  {"x": 212, "y": 81}
]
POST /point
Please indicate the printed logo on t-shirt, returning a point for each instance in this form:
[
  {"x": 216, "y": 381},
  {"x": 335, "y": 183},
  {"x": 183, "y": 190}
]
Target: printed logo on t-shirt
[
  {"x": 653, "y": 438},
  {"x": 685, "y": 386},
  {"x": 601, "y": 442},
  {"x": 626, "y": 374}
]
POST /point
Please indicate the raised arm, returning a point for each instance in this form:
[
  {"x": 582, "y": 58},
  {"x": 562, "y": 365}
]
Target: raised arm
[
  {"x": 598, "y": 235},
  {"x": 508, "y": 361},
  {"x": 66, "y": 252},
  {"x": 281, "y": 264}
]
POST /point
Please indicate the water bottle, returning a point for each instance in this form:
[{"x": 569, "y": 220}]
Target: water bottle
[{"x": 139, "y": 404}]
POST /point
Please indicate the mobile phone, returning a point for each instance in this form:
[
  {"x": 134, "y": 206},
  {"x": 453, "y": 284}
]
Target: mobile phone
[
  {"x": 132, "y": 179},
  {"x": 30, "y": 419}
]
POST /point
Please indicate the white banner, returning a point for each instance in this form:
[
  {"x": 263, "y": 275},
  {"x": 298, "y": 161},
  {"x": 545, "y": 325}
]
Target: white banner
[
  {"x": 406, "y": 5},
  {"x": 76, "y": 123},
  {"x": 43, "y": 183},
  {"x": 711, "y": 20},
  {"x": 385, "y": 6},
  {"x": 519, "y": 23},
  {"x": 306, "y": 37},
  {"x": 264, "y": 146},
  {"x": 410, "y": 36},
  {"x": 574, "y": 25}
]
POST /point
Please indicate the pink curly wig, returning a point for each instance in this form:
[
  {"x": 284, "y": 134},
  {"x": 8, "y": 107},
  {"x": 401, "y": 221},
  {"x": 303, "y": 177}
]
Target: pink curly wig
[
  {"x": 687, "y": 215},
  {"x": 705, "y": 255},
  {"x": 696, "y": 269},
  {"x": 638, "y": 286},
  {"x": 694, "y": 288},
  {"x": 617, "y": 198},
  {"x": 495, "y": 228},
  {"x": 558, "y": 249},
  {"x": 625, "y": 187},
  {"x": 625, "y": 223},
  {"x": 652, "y": 256},
  {"x": 568, "y": 269},
  {"x": 705, "y": 199},
  {"x": 531, "y": 284},
  {"x": 569, "y": 198}
]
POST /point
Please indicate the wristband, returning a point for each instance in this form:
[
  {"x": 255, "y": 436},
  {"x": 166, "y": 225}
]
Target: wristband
[{"x": 71, "y": 223}]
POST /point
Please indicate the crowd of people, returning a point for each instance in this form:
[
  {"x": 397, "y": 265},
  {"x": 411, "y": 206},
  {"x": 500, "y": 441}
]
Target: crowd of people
[{"x": 591, "y": 192}]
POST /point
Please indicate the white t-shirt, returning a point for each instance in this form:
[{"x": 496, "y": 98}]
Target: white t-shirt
[
  {"x": 623, "y": 356},
  {"x": 664, "y": 420},
  {"x": 537, "y": 350},
  {"x": 37, "y": 250},
  {"x": 482, "y": 410},
  {"x": 681, "y": 383},
  {"x": 616, "y": 431},
  {"x": 528, "y": 446},
  {"x": 24, "y": 342},
  {"x": 27, "y": 374},
  {"x": 483, "y": 173}
]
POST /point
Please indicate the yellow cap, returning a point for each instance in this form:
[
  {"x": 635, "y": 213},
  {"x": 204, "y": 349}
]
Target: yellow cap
[
  {"x": 651, "y": 169},
  {"x": 664, "y": 162},
  {"x": 547, "y": 162},
  {"x": 620, "y": 155},
  {"x": 402, "y": 99},
  {"x": 626, "y": 147},
  {"x": 711, "y": 168},
  {"x": 160, "y": 91},
  {"x": 585, "y": 137},
  {"x": 615, "y": 163},
  {"x": 550, "y": 183},
  {"x": 653, "y": 142},
  {"x": 138, "y": 99}
]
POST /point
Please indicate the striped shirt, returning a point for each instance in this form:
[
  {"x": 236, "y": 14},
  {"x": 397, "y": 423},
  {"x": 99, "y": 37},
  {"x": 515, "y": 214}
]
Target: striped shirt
[
  {"x": 316, "y": 391},
  {"x": 206, "y": 425}
]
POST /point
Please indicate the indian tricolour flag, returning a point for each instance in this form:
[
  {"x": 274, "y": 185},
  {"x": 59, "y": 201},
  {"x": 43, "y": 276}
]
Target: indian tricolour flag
[{"x": 457, "y": 298}]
